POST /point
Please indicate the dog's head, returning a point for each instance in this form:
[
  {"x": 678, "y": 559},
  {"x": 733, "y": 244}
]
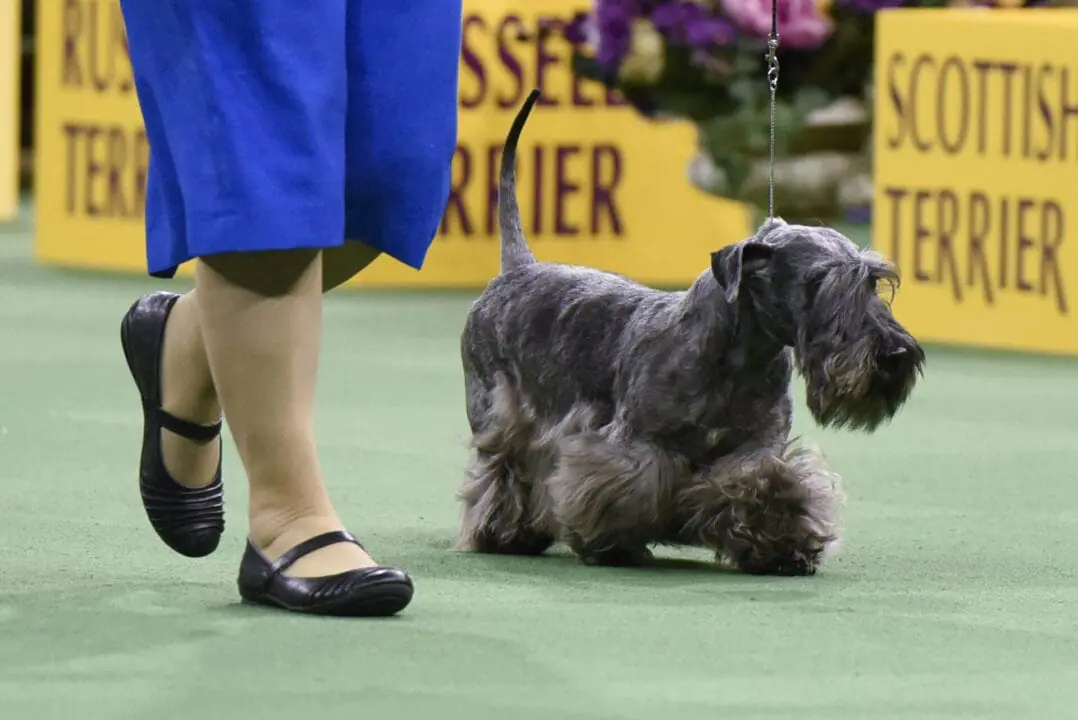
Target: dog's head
[{"x": 813, "y": 289}]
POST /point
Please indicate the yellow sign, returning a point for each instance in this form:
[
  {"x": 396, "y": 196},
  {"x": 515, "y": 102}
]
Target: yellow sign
[
  {"x": 976, "y": 161},
  {"x": 598, "y": 185},
  {"x": 10, "y": 62}
]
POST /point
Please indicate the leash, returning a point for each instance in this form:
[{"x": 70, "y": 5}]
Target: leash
[{"x": 773, "y": 83}]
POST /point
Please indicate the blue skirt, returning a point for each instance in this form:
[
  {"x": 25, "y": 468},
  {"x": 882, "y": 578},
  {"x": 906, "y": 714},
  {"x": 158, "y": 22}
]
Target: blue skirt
[{"x": 277, "y": 124}]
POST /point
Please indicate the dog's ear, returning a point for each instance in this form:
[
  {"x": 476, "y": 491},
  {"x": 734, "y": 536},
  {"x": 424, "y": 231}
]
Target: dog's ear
[{"x": 734, "y": 263}]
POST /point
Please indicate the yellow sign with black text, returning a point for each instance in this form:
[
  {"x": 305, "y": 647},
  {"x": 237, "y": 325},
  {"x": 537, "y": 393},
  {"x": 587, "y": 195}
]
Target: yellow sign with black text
[
  {"x": 976, "y": 162},
  {"x": 10, "y": 107},
  {"x": 599, "y": 186}
]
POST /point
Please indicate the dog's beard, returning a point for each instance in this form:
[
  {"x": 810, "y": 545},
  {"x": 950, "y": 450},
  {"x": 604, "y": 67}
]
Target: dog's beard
[{"x": 861, "y": 386}]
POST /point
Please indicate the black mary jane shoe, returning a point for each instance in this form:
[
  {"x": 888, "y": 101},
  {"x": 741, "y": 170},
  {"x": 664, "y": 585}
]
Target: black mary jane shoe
[
  {"x": 188, "y": 520},
  {"x": 368, "y": 592}
]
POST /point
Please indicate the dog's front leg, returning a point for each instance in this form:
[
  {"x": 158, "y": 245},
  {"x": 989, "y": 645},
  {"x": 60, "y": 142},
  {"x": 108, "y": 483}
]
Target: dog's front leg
[
  {"x": 610, "y": 497},
  {"x": 766, "y": 511}
]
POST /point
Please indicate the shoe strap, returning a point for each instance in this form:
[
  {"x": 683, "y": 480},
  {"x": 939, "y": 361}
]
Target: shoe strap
[
  {"x": 309, "y": 546},
  {"x": 186, "y": 428}
]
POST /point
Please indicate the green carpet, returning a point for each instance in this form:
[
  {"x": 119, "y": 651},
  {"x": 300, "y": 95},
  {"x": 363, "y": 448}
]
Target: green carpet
[{"x": 954, "y": 597}]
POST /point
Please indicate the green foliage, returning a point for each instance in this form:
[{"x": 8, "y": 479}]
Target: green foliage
[{"x": 736, "y": 139}]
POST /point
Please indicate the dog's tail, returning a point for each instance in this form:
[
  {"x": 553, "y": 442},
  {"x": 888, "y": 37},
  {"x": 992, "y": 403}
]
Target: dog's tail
[{"x": 515, "y": 251}]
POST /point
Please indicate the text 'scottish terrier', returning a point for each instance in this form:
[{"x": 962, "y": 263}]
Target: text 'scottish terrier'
[{"x": 613, "y": 416}]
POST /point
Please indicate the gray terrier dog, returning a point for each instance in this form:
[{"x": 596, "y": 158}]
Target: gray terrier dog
[{"x": 613, "y": 416}]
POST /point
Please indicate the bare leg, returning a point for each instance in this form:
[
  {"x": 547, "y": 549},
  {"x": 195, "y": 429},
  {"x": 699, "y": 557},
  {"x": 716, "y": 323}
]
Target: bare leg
[
  {"x": 187, "y": 392},
  {"x": 187, "y": 388},
  {"x": 261, "y": 320}
]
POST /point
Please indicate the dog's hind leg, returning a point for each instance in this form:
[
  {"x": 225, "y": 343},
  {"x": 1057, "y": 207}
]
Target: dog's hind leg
[
  {"x": 610, "y": 497},
  {"x": 767, "y": 512},
  {"x": 502, "y": 504},
  {"x": 499, "y": 513}
]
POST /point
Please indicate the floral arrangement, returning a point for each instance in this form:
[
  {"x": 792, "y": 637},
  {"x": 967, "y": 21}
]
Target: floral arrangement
[{"x": 705, "y": 61}]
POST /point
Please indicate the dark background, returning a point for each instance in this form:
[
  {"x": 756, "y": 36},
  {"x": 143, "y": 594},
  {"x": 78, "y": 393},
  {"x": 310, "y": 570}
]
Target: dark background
[{"x": 26, "y": 133}]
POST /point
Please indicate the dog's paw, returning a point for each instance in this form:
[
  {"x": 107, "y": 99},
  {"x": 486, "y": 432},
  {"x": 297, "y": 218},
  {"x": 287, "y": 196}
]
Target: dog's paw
[
  {"x": 618, "y": 557},
  {"x": 520, "y": 543},
  {"x": 790, "y": 564}
]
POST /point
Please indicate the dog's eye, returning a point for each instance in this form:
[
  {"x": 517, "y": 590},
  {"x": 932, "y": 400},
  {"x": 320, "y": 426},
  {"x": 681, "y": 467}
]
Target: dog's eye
[
  {"x": 813, "y": 283},
  {"x": 882, "y": 286},
  {"x": 815, "y": 280}
]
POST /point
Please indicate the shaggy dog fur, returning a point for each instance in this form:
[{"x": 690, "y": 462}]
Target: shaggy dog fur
[{"x": 613, "y": 416}]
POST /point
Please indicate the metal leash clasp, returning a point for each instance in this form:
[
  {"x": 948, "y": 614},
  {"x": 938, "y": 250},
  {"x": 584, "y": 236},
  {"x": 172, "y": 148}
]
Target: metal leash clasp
[{"x": 773, "y": 61}]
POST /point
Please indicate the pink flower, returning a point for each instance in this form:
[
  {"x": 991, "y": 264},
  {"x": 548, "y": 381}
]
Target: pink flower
[{"x": 801, "y": 23}]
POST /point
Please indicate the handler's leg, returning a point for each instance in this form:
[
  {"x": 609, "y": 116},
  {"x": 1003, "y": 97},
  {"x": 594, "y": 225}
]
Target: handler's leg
[
  {"x": 187, "y": 392},
  {"x": 261, "y": 317},
  {"x": 187, "y": 387}
]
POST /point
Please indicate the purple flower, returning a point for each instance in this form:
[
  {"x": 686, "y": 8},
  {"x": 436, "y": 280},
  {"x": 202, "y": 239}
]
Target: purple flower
[
  {"x": 685, "y": 21},
  {"x": 871, "y": 6},
  {"x": 673, "y": 19},
  {"x": 709, "y": 32},
  {"x": 613, "y": 24},
  {"x": 576, "y": 30}
]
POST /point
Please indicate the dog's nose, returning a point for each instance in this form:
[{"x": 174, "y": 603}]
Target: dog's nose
[{"x": 891, "y": 360}]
